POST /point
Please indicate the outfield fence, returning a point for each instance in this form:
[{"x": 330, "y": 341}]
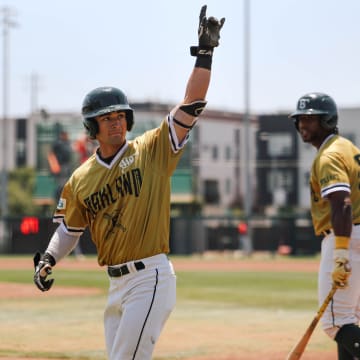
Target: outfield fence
[{"x": 188, "y": 235}]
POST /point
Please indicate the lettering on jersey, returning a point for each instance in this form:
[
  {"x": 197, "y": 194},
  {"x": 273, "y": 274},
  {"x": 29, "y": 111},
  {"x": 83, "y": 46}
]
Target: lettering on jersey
[
  {"x": 128, "y": 183},
  {"x": 61, "y": 204},
  {"x": 127, "y": 161},
  {"x": 328, "y": 178},
  {"x": 114, "y": 223}
]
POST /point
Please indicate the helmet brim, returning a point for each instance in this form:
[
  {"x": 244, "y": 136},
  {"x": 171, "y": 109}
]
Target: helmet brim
[
  {"x": 107, "y": 110},
  {"x": 307, "y": 112}
]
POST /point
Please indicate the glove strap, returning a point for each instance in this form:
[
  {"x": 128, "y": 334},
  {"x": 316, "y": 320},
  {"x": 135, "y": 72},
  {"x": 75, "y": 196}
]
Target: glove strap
[
  {"x": 203, "y": 56},
  {"x": 48, "y": 258},
  {"x": 342, "y": 242}
]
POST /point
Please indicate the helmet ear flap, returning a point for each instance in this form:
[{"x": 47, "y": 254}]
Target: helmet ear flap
[
  {"x": 329, "y": 122},
  {"x": 296, "y": 123},
  {"x": 129, "y": 119},
  {"x": 91, "y": 127}
]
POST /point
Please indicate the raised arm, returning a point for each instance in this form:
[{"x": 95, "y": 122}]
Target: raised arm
[{"x": 186, "y": 113}]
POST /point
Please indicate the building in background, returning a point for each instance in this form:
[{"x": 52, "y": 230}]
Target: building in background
[
  {"x": 209, "y": 185},
  {"x": 210, "y": 177},
  {"x": 208, "y": 180}
]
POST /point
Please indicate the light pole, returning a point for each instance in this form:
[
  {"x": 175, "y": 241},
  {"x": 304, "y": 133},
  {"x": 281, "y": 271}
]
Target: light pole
[
  {"x": 34, "y": 89},
  {"x": 7, "y": 23},
  {"x": 247, "y": 122}
]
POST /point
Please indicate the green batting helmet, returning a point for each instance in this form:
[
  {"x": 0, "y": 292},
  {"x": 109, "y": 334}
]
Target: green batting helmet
[
  {"x": 101, "y": 101},
  {"x": 317, "y": 104}
]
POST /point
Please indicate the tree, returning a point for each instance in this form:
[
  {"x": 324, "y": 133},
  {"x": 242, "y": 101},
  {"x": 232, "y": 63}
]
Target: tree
[{"x": 20, "y": 192}]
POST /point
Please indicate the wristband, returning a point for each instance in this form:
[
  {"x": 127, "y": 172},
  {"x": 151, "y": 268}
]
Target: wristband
[
  {"x": 341, "y": 254},
  {"x": 342, "y": 242},
  {"x": 48, "y": 258},
  {"x": 203, "y": 62},
  {"x": 203, "y": 56}
]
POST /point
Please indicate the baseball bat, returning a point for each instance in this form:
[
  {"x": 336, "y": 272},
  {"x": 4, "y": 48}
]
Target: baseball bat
[{"x": 299, "y": 348}]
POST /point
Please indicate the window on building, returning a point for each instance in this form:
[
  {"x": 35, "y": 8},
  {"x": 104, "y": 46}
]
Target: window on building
[
  {"x": 280, "y": 144},
  {"x": 211, "y": 189},
  {"x": 21, "y": 142},
  {"x": 228, "y": 186},
  {"x": 280, "y": 183},
  {"x": 237, "y": 136},
  {"x": 228, "y": 153},
  {"x": 306, "y": 178},
  {"x": 279, "y": 178},
  {"x": 215, "y": 152}
]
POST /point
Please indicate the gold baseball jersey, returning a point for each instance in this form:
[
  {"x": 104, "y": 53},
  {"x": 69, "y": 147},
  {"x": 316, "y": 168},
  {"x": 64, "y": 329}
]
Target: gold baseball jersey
[
  {"x": 336, "y": 167},
  {"x": 126, "y": 203}
]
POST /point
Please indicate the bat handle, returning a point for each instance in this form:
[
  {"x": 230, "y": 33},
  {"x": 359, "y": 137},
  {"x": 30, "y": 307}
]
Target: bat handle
[
  {"x": 297, "y": 351},
  {"x": 327, "y": 300}
]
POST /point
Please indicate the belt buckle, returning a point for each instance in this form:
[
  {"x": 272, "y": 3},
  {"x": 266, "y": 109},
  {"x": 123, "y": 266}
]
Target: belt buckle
[
  {"x": 124, "y": 270},
  {"x": 118, "y": 271}
]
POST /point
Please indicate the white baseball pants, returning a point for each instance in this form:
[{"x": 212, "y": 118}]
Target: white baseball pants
[
  {"x": 139, "y": 304},
  {"x": 345, "y": 307}
]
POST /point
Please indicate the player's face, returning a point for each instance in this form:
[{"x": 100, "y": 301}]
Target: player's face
[
  {"x": 310, "y": 129},
  {"x": 112, "y": 129}
]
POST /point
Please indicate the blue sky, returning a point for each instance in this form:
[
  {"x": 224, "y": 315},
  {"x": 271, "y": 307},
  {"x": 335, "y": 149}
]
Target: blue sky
[{"x": 142, "y": 47}]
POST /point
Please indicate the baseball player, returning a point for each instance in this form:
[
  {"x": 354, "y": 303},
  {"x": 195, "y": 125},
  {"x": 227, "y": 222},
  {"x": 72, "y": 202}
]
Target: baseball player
[
  {"x": 122, "y": 194},
  {"x": 335, "y": 209}
]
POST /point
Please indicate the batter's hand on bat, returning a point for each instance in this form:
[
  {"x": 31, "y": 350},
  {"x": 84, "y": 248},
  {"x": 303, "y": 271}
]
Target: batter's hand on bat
[
  {"x": 209, "y": 30},
  {"x": 342, "y": 269},
  {"x": 43, "y": 268}
]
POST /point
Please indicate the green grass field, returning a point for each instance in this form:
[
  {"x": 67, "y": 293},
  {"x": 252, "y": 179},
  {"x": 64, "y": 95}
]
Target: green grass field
[
  {"x": 239, "y": 288},
  {"x": 240, "y": 308}
]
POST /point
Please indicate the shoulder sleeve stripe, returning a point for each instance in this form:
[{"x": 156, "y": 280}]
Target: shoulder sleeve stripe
[
  {"x": 58, "y": 218},
  {"x": 68, "y": 229},
  {"x": 335, "y": 187},
  {"x": 175, "y": 145}
]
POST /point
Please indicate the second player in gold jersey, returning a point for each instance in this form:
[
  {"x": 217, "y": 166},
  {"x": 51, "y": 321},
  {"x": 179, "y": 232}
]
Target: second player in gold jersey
[
  {"x": 336, "y": 167},
  {"x": 335, "y": 210}
]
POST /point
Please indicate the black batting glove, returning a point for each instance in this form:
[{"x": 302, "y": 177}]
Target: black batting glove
[
  {"x": 208, "y": 34},
  {"x": 43, "y": 267}
]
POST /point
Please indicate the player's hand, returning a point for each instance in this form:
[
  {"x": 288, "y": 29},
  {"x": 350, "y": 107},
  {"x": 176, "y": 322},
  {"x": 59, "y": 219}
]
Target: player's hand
[
  {"x": 43, "y": 268},
  {"x": 209, "y": 30},
  {"x": 342, "y": 269}
]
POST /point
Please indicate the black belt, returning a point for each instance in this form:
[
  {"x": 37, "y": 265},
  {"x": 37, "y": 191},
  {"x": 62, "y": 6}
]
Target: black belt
[
  {"x": 124, "y": 269},
  {"x": 328, "y": 231}
]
